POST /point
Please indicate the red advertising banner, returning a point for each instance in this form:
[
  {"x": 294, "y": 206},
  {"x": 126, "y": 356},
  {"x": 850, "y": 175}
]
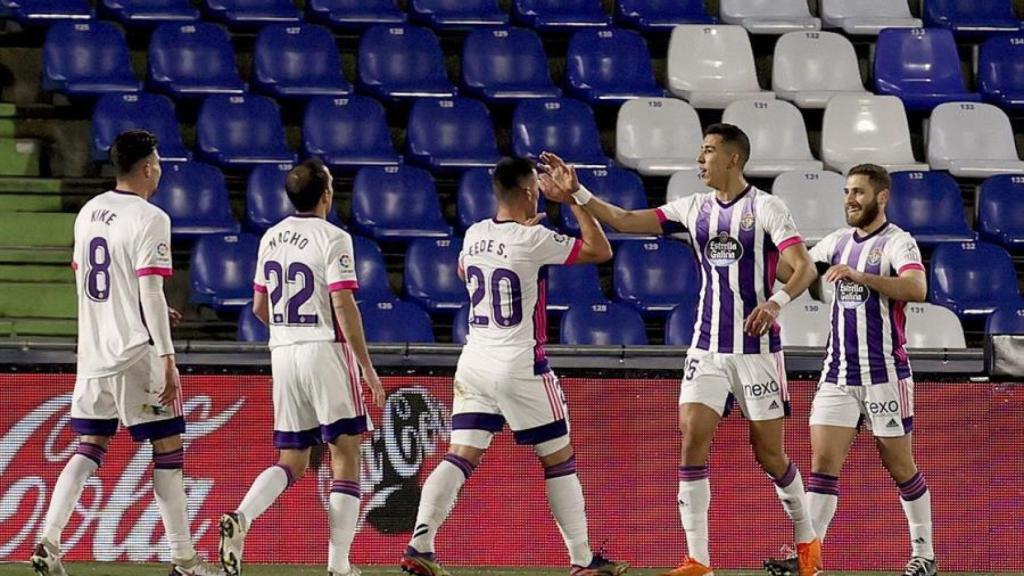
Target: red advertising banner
[{"x": 969, "y": 444}]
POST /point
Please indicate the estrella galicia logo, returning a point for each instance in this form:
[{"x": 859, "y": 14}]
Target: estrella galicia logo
[
  {"x": 757, "y": 391},
  {"x": 723, "y": 250},
  {"x": 851, "y": 295}
]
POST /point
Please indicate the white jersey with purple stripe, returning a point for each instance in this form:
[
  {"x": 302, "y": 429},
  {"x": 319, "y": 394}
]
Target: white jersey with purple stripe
[
  {"x": 737, "y": 246},
  {"x": 119, "y": 237},
  {"x": 866, "y": 345},
  {"x": 302, "y": 260},
  {"x": 503, "y": 262}
]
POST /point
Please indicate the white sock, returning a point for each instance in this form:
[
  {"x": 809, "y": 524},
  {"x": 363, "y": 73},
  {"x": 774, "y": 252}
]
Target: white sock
[
  {"x": 917, "y": 505},
  {"x": 565, "y": 497},
  {"x": 822, "y": 500},
  {"x": 694, "y": 502},
  {"x": 265, "y": 489},
  {"x": 169, "y": 488},
  {"x": 790, "y": 489},
  {"x": 438, "y": 497},
  {"x": 86, "y": 459},
  {"x": 344, "y": 515}
]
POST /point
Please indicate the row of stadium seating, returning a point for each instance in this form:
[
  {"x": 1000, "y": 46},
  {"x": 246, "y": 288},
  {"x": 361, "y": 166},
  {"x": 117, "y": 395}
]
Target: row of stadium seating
[
  {"x": 710, "y": 66},
  {"x": 968, "y": 18}
]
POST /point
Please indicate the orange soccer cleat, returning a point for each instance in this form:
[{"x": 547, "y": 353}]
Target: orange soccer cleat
[
  {"x": 690, "y": 567},
  {"x": 809, "y": 556}
]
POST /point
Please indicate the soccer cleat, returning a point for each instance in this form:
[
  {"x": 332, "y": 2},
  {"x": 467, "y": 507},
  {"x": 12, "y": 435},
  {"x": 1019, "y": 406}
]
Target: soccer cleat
[
  {"x": 232, "y": 541},
  {"x": 919, "y": 566},
  {"x": 421, "y": 564},
  {"x": 45, "y": 560},
  {"x": 809, "y": 557},
  {"x": 600, "y": 566},
  {"x": 788, "y": 565},
  {"x": 690, "y": 567},
  {"x": 352, "y": 571},
  {"x": 196, "y": 566}
]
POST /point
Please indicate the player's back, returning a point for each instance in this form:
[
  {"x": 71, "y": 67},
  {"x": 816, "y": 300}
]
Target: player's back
[
  {"x": 302, "y": 260},
  {"x": 119, "y": 237},
  {"x": 503, "y": 262}
]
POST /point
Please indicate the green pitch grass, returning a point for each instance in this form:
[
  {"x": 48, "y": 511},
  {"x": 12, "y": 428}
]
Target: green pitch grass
[{"x": 124, "y": 569}]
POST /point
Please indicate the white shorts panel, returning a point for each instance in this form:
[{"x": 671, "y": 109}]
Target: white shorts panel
[
  {"x": 887, "y": 409},
  {"x": 757, "y": 382}
]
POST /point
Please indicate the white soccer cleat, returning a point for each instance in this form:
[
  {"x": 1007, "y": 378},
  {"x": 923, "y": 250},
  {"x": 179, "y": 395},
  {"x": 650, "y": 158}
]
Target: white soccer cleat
[
  {"x": 45, "y": 560},
  {"x": 196, "y": 566},
  {"x": 232, "y": 541}
]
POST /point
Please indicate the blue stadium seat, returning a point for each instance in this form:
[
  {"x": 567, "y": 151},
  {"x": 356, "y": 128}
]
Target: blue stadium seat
[
  {"x": 971, "y": 18},
  {"x": 251, "y": 328},
  {"x": 250, "y": 13},
  {"x": 397, "y": 62},
  {"x": 116, "y": 113},
  {"x": 655, "y": 277},
  {"x": 431, "y": 278},
  {"x": 195, "y": 196},
  {"x": 192, "y": 61},
  {"x": 397, "y": 203},
  {"x": 1001, "y": 71},
  {"x": 145, "y": 13},
  {"x": 298, "y": 61},
  {"x": 928, "y": 205},
  {"x": 608, "y": 324},
  {"x": 972, "y": 279},
  {"x": 475, "y": 200},
  {"x": 447, "y": 135},
  {"x": 44, "y": 12},
  {"x": 661, "y": 15},
  {"x": 921, "y": 67},
  {"x": 347, "y": 133},
  {"x": 371, "y": 271},
  {"x": 221, "y": 271},
  {"x": 454, "y": 14},
  {"x": 610, "y": 67},
  {"x": 460, "y": 325},
  {"x": 1001, "y": 210},
  {"x": 267, "y": 203},
  {"x": 352, "y": 15},
  {"x": 506, "y": 66},
  {"x": 1006, "y": 320},
  {"x": 560, "y": 15},
  {"x": 563, "y": 126},
  {"x": 616, "y": 185},
  {"x": 569, "y": 286},
  {"x": 87, "y": 59},
  {"x": 241, "y": 131},
  {"x": 395, "y": 322},
  {"x": 679, "y": 325}
]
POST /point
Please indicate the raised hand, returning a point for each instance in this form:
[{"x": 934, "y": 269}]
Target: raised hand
[{"x": 558, "y": 180}]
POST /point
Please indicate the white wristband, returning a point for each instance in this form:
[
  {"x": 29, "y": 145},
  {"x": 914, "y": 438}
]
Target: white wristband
[
  {"x": 582, "y": 196},
  {"x": 781, "y": 298}
]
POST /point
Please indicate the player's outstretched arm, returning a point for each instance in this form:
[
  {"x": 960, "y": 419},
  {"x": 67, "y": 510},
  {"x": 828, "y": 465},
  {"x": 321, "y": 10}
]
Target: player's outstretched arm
[
  {"x": 345, "y": 309},
  {"x": 596, "y": 248},
  {"x": 559, "y": 183}
]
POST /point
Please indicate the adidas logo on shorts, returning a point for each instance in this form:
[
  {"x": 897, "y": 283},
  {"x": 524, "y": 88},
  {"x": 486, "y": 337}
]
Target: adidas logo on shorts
[
  {"x": 892, "y": 423},
  {"x": 774, "y": 405}
]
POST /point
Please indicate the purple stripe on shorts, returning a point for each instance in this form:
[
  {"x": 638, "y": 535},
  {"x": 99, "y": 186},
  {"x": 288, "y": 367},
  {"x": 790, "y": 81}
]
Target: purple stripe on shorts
[
  {"x": 296, "y": 440},
  {"x": 94, "y": 427},
  {"x": 787, "y": 477},
  {"x": 693, "y": 473},
  {"x": 173, "y": 460},
  {"x": 823, "y": 484},
  {"x": 873, "y": 312},
  {"x": 725, "y": 293},
  {"x": 908, "y": 425},
  {"x": 343, "y": 427},
  {"x": 478, "y": 421},
  {"x": 914, "y": 488},
  {"x": 288, "y": 472},
  {"x": 346, "y": 487},
  {"x": 461, "y": 463},
  {"x": 748, "y": 266},
  {"x": 701, "y": 237},
  {"x": 158, "y": 429},
  {"x": 566, "y": 468},
  {"x": 93, "y": 452}
]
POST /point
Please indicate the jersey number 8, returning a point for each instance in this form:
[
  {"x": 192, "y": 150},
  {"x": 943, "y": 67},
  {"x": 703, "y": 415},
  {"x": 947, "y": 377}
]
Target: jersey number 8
[{"x": 97, "y": 277}]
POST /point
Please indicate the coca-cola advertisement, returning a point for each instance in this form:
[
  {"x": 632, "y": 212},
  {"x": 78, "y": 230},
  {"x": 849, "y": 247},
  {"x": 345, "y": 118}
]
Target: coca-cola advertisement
[{"x": 967, "y": 438}]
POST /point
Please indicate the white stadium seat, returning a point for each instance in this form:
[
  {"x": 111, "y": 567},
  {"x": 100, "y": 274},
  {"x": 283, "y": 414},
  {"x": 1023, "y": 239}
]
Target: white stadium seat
[
  {"x": 805, "y": 323},
  {"x": 657, "y": 136},
  {"x": 769, "y": 16},
  {"x": 972, "y": 140},
  {"x": 931, "y": 326},
  {"x": 874, "y": 129},
  {"x": 712, "y": 66},
  {"x": 778, "y": 137},
  {"x": 809, "y": 68},
  {"x": 816, "y": 201},
  {"x": 686, "y": 183},
  {"x": 867, "y": 17}
]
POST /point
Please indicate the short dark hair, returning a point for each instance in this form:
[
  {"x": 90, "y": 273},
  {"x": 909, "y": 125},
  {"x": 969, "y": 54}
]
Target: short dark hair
[
  {"x": 509, "y": 173},
  {"x": 732, "y": 134},
  {"x": 306, "y": 183},
  {"x": 878, "y": 176},
  {"x": 130, "y": 147}
]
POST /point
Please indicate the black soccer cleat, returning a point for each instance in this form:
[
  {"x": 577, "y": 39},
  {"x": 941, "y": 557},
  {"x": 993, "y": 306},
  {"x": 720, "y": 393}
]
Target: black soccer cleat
[
  {"x": 919, "y": 566},
  {"x": 788, "y": 566}
]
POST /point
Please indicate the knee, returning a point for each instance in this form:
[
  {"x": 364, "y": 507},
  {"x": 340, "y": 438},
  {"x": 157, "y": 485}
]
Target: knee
[
  {"x": 901, "y": 471},
  {"x": 826, "y": 464},
  {"x": 771, "y": 459}
]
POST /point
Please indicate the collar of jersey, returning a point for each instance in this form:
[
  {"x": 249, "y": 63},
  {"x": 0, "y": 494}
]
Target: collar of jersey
[
  {"x": 736, "y": 199},
  {"x": 858, "y": 239}
]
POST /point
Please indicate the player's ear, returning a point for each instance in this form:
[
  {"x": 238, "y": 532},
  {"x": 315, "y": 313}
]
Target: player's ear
[{"x": 883, "y": 196}]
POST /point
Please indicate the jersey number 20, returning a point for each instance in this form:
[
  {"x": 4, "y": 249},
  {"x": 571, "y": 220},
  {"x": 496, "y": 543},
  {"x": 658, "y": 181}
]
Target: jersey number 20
[{"x": 506, "y": 297}]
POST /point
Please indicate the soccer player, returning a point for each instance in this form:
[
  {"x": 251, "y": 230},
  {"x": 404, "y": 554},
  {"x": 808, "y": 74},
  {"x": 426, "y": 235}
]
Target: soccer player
[
  {"x": 876, "y": 269},
  {"x": 739, "y": 235},
  {"x": 126, "y": 370},
  {"x": 503, "y": 373},
  {"x": 305, "y": 277}
]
